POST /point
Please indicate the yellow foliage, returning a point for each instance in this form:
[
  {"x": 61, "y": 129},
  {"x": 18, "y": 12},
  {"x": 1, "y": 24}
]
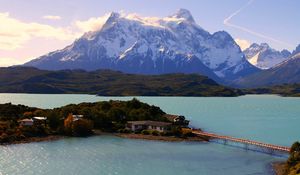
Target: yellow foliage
[
  {"x": 295, "y": 170},
  {"x": 68, "y": 124},
  {"x": 28, "y": 114}
]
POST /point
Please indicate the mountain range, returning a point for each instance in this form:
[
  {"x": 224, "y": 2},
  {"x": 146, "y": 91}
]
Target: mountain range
[
  {"x": 150, "y": 45},
  {"x": 264, "y": 57},
  {"x": 173, "y": 44},
  {"x": 287, "y": 72}
]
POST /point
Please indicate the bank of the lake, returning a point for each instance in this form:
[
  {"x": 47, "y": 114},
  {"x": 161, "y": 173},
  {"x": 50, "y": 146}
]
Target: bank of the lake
[{"x": 162, "y": 138}]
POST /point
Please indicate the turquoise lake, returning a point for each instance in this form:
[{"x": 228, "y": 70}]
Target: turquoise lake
[{"x": 266, "y": 118}]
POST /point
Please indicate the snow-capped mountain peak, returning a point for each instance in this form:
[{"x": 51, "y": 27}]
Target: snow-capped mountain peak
[
  {"x": 184, "y": 14},
  {"x": 151, "y": 45},
  {"x": 297, "y": 50},
  {"x": 264, "y": 57}
]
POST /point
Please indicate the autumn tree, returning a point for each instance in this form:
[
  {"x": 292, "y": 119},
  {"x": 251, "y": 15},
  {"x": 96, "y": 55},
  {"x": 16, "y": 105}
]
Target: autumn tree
[{"x": 68, "y": 122}]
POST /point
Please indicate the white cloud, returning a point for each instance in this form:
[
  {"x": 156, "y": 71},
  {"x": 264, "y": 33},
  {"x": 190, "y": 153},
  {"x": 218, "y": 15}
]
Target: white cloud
[
  {"x": 92, "y": 24},
  {"x": 5, "y": 62},
  {"x": 15, "y": 33},
  {"x": 51, "y": 17},
  {"x": 244, "y": 44}
]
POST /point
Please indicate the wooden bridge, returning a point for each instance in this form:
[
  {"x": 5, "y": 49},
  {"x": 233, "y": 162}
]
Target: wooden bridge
[{"x": 266, "y": 146}]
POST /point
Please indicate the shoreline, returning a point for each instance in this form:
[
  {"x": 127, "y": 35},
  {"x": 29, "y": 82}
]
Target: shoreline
[
  {"x": 278, "y": 168},
  {"x": 99, "y": 133},
  {"x": 35, "y": 139},
  {"x": 160, "y": 138}
]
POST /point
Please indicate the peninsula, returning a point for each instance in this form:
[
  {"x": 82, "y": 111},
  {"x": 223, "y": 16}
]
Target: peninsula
[{"x": 130, "y": 119}]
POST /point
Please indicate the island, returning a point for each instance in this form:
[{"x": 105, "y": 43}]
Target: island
[{"x": 130, "y": 119}]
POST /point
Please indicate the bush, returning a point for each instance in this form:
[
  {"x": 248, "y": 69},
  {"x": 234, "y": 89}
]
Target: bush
[
  {"x": 137, "y": 132},
  {"x": 187, "y": 133},
  {"x": 295, "y": 147},
  {"x": 168, "y": 133},
  {"x": 294, "y": 154},
  {"x": 124, "y": 131},
  {"x": 4, "y": 138},
  {"x": 176, "y": 131},
  {"x": 82, "y": 127},
  {"x": 155, "y": 133},
  {"x": 146, "y": 132}
]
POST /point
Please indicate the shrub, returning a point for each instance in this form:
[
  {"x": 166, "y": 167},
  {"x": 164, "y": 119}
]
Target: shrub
[
  {"x": 82, "y": 127},
  {"x": 137, "y": 132},
  {"x": 155, "y": 133},
  {"x": 124, "y": 131},
  {"x": 294, "y": 154},
  {"x": 4, "y": 138},
  {"x": 187, "y": 133},
  {"x": 146, "y": 132},
  {"x": 295, "y": 147}
]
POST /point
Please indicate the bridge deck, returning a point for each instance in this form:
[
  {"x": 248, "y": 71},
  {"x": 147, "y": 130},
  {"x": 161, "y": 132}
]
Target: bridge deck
[{"x": 239, "y": 140}]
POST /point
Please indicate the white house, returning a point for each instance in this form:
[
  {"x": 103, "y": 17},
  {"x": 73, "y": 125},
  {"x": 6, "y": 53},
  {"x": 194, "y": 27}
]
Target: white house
[
  {"x": 39, "y": 120},
  {"x": 26, "y": 122},
  {"x": 148, "y": 125},
  {"x": 77, "y": 117}
]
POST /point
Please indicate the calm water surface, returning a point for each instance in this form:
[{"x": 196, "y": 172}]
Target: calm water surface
[{"x": 265, "y": 118}]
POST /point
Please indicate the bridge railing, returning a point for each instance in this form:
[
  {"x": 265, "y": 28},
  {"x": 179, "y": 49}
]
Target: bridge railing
[{"x": 244, "y": 141}]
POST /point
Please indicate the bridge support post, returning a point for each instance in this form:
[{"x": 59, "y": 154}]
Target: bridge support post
[{"x": 246, "y": 146}]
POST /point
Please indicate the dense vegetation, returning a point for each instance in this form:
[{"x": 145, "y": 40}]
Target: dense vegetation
[
  {"x": 108, "y": 116},
  {"x": 108, "y": 83},
  {"x": 290, "y": 90},
  {"x": 292, "y": 166}
]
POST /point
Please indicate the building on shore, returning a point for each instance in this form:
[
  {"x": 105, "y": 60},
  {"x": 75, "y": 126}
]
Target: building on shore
[
  {"x": 77, "y": 117},
  {"x": 177, "y": 120},
  {"x": 33, "y": 121},
  {"x": 26, "y": 122},
  {"x": 148, "y": 125},
  {"x": 39, "y": 120}
]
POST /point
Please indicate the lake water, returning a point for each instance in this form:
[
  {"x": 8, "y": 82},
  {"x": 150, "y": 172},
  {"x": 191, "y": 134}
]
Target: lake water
[{"x": 264, "y": 118}]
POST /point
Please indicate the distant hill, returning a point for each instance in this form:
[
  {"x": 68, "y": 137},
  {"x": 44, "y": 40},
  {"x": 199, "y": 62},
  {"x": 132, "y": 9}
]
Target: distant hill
[
  {"x": 287, "y": 90},
  {"x": 108, "y": 83}
]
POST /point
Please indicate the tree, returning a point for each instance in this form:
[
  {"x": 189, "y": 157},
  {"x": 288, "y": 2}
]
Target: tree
[
  {"x": 295, "y": 147},
  {"x": 68, "y": 124},
  {"x": 82, "y": 127},
  {"x": 28, "y": 114},
  {"x": 294, "y": 154},
  {"x": 53, "y": 120}
]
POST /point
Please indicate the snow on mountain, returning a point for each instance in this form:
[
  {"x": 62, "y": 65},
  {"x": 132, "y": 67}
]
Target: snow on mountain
[
  {"x": 264, "y": 57},
  {"x": 151, "y": 45},
  {"x": 297, "y": 50}
]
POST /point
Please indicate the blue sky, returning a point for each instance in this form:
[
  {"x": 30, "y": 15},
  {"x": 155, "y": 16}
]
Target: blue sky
[{"x": 34, "y": 27}]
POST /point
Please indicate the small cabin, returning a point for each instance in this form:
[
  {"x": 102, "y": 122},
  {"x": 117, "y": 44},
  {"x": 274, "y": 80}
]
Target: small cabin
[
  {"x": 148, "y": 125},
  {"x": 26, "y": 122}
]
